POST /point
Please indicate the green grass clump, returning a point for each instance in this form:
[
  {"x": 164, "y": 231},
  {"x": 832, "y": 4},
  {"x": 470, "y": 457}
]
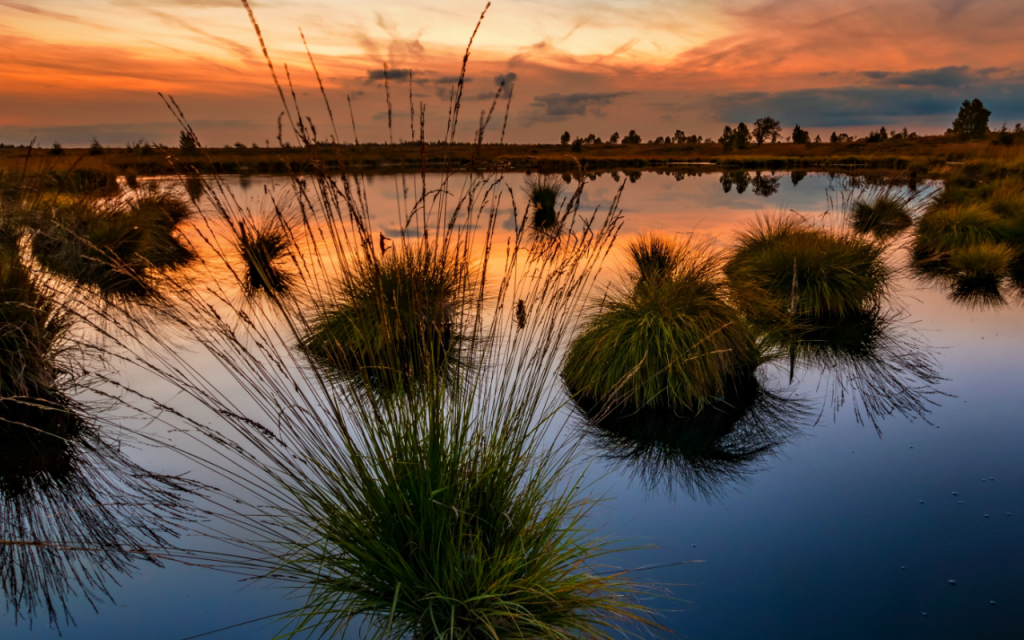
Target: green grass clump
[
  {"x": 885, "y": 215},
  {"x": 114, "y": 245},
  {"x": 946, "y": 228},
  {"x": 395, "y": 320},
  {"x": 672, "y": 340},
  {"x": 542, "y": 193},
  {"x": 836, "y": 273},
  {"x": 261, "y": 247},
  {"x": 982, "y": 260},
  {"x": 453, "y": 527}
]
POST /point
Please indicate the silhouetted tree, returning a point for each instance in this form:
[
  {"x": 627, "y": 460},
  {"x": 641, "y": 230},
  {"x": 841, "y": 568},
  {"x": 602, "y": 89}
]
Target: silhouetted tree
[
  {"x": 565, "y": 138},
  {"x": 817, "y": 139},
  {"x": 767, "y": 128},
  {"x": 742, "y": 136},
  {"x": 56, "y": 149},
  {"x": 801, "y": 136},
  {"x": 590, "y": 139},
  {"x": 834, "y": 138},
  {"x": 577, "y": 144},
  {"x": 614, "y": 139},
  {"x": 187, "y": 142},
  {"x": 679, "y": 137},
  {"x": 95, "y": 149},
  {"x": 972, "y": 121},
  {"x": 631, "y": 138},
  {"x": 728, "y": 139}
]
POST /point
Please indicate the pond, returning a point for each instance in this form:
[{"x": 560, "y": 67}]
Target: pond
[{"x": 882, "y": 496}]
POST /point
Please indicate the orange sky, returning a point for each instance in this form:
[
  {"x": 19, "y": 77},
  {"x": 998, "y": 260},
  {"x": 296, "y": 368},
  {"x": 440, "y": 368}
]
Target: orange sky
[{"x": 73, "y": 69}]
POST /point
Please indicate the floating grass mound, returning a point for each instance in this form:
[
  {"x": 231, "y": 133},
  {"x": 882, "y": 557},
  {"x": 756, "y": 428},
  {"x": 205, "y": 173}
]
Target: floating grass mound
[
  {"x": 542, "y": 194},
  {"x": 885, "y": 215},
  {"x": 261, "y": 248},
  {"x": 114, "y": 246},
  {"x": 947, "y": 228},
  {"x": 396, "y": 320},
  {"x": 669, "y": 338},
  {"x": 809, "y": 271}
]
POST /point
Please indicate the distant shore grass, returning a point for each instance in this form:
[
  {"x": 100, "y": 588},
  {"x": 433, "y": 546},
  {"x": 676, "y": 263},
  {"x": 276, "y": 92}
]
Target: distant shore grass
[
  {"x": 667, "y": 337},
  {"x": 925, "y": 156},
  {"x": 811, "y": 271}
]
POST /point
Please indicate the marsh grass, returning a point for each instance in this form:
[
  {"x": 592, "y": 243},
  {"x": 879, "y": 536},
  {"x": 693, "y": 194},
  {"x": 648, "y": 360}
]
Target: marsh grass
[
  {"x": 450, "y": 510},
  {"x": 884, "y": 215},
  {"x": 812, "y": 272},
  {"x": 32, "y": 325},
  {"x": 950, "y": 227},
  {"x": 397, "y": 319},
  {"x": 114, "y": 245},
  {"x": 262, "y": 247},
  {"x": 667, "y": 337},
  {"x": 542, "y": 194}
]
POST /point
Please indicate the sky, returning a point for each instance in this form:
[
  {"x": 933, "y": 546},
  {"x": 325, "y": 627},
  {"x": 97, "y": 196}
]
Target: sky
[{"x": 74, "y": 69}]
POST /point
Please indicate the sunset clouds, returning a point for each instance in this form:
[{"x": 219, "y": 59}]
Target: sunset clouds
[{"x": 74, "y": 69}]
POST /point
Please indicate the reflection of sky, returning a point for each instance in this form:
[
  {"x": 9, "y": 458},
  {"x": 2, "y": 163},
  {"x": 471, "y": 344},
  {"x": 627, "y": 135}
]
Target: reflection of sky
[{"x": 810, "y": 547}]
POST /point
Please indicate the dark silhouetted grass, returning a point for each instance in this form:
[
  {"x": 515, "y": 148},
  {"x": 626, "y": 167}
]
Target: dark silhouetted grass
[
  {"x": 542, "y": 193},
  {"x": 885, "y": 215},
  {"x": 261, "y": 248}
]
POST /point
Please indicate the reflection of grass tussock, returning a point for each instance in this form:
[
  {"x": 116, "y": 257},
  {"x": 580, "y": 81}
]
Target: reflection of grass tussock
[
  {"x": 542, "y": 193},
  {"x": 671, "y": 340},
  {"x": 261, "y": 247},
  {"x": 114, "y": 245},
  {"x": 885, "y": 215},
  {"x": 836, "y": 273},
  {"x": 868, "y": 360},
  {"x": 702, "y": 453},
  {"x": 395, "y": 320}
]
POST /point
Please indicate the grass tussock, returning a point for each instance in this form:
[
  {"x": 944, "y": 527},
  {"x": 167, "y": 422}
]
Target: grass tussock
[
  {"x": 31, "y": 327},
  {"x": 396, "y": 318},
  {"x": 262, "y": 247},
  {"x": 810, "y": 271},
  {"x": 885, "y": 215},
  {"x": 542, "y": 193},
  {"x": 114, "y": 245},
  {"x": 668, "y": 338},
  {"x": 946, "y": 228},
  {"x": 982, "y": 260}
]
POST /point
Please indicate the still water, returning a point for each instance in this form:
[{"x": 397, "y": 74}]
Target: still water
[{"x": 849, "y": 518}]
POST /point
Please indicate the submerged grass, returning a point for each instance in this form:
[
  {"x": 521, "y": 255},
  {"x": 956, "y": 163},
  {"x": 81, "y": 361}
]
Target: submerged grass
[
  {"x": 668, "y": 337},
  {"x": 810, "y": 271}
]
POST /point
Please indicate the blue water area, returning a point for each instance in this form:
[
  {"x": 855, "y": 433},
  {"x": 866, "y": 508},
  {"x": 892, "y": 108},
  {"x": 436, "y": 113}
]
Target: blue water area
[{"x": 890, "y": 507}]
